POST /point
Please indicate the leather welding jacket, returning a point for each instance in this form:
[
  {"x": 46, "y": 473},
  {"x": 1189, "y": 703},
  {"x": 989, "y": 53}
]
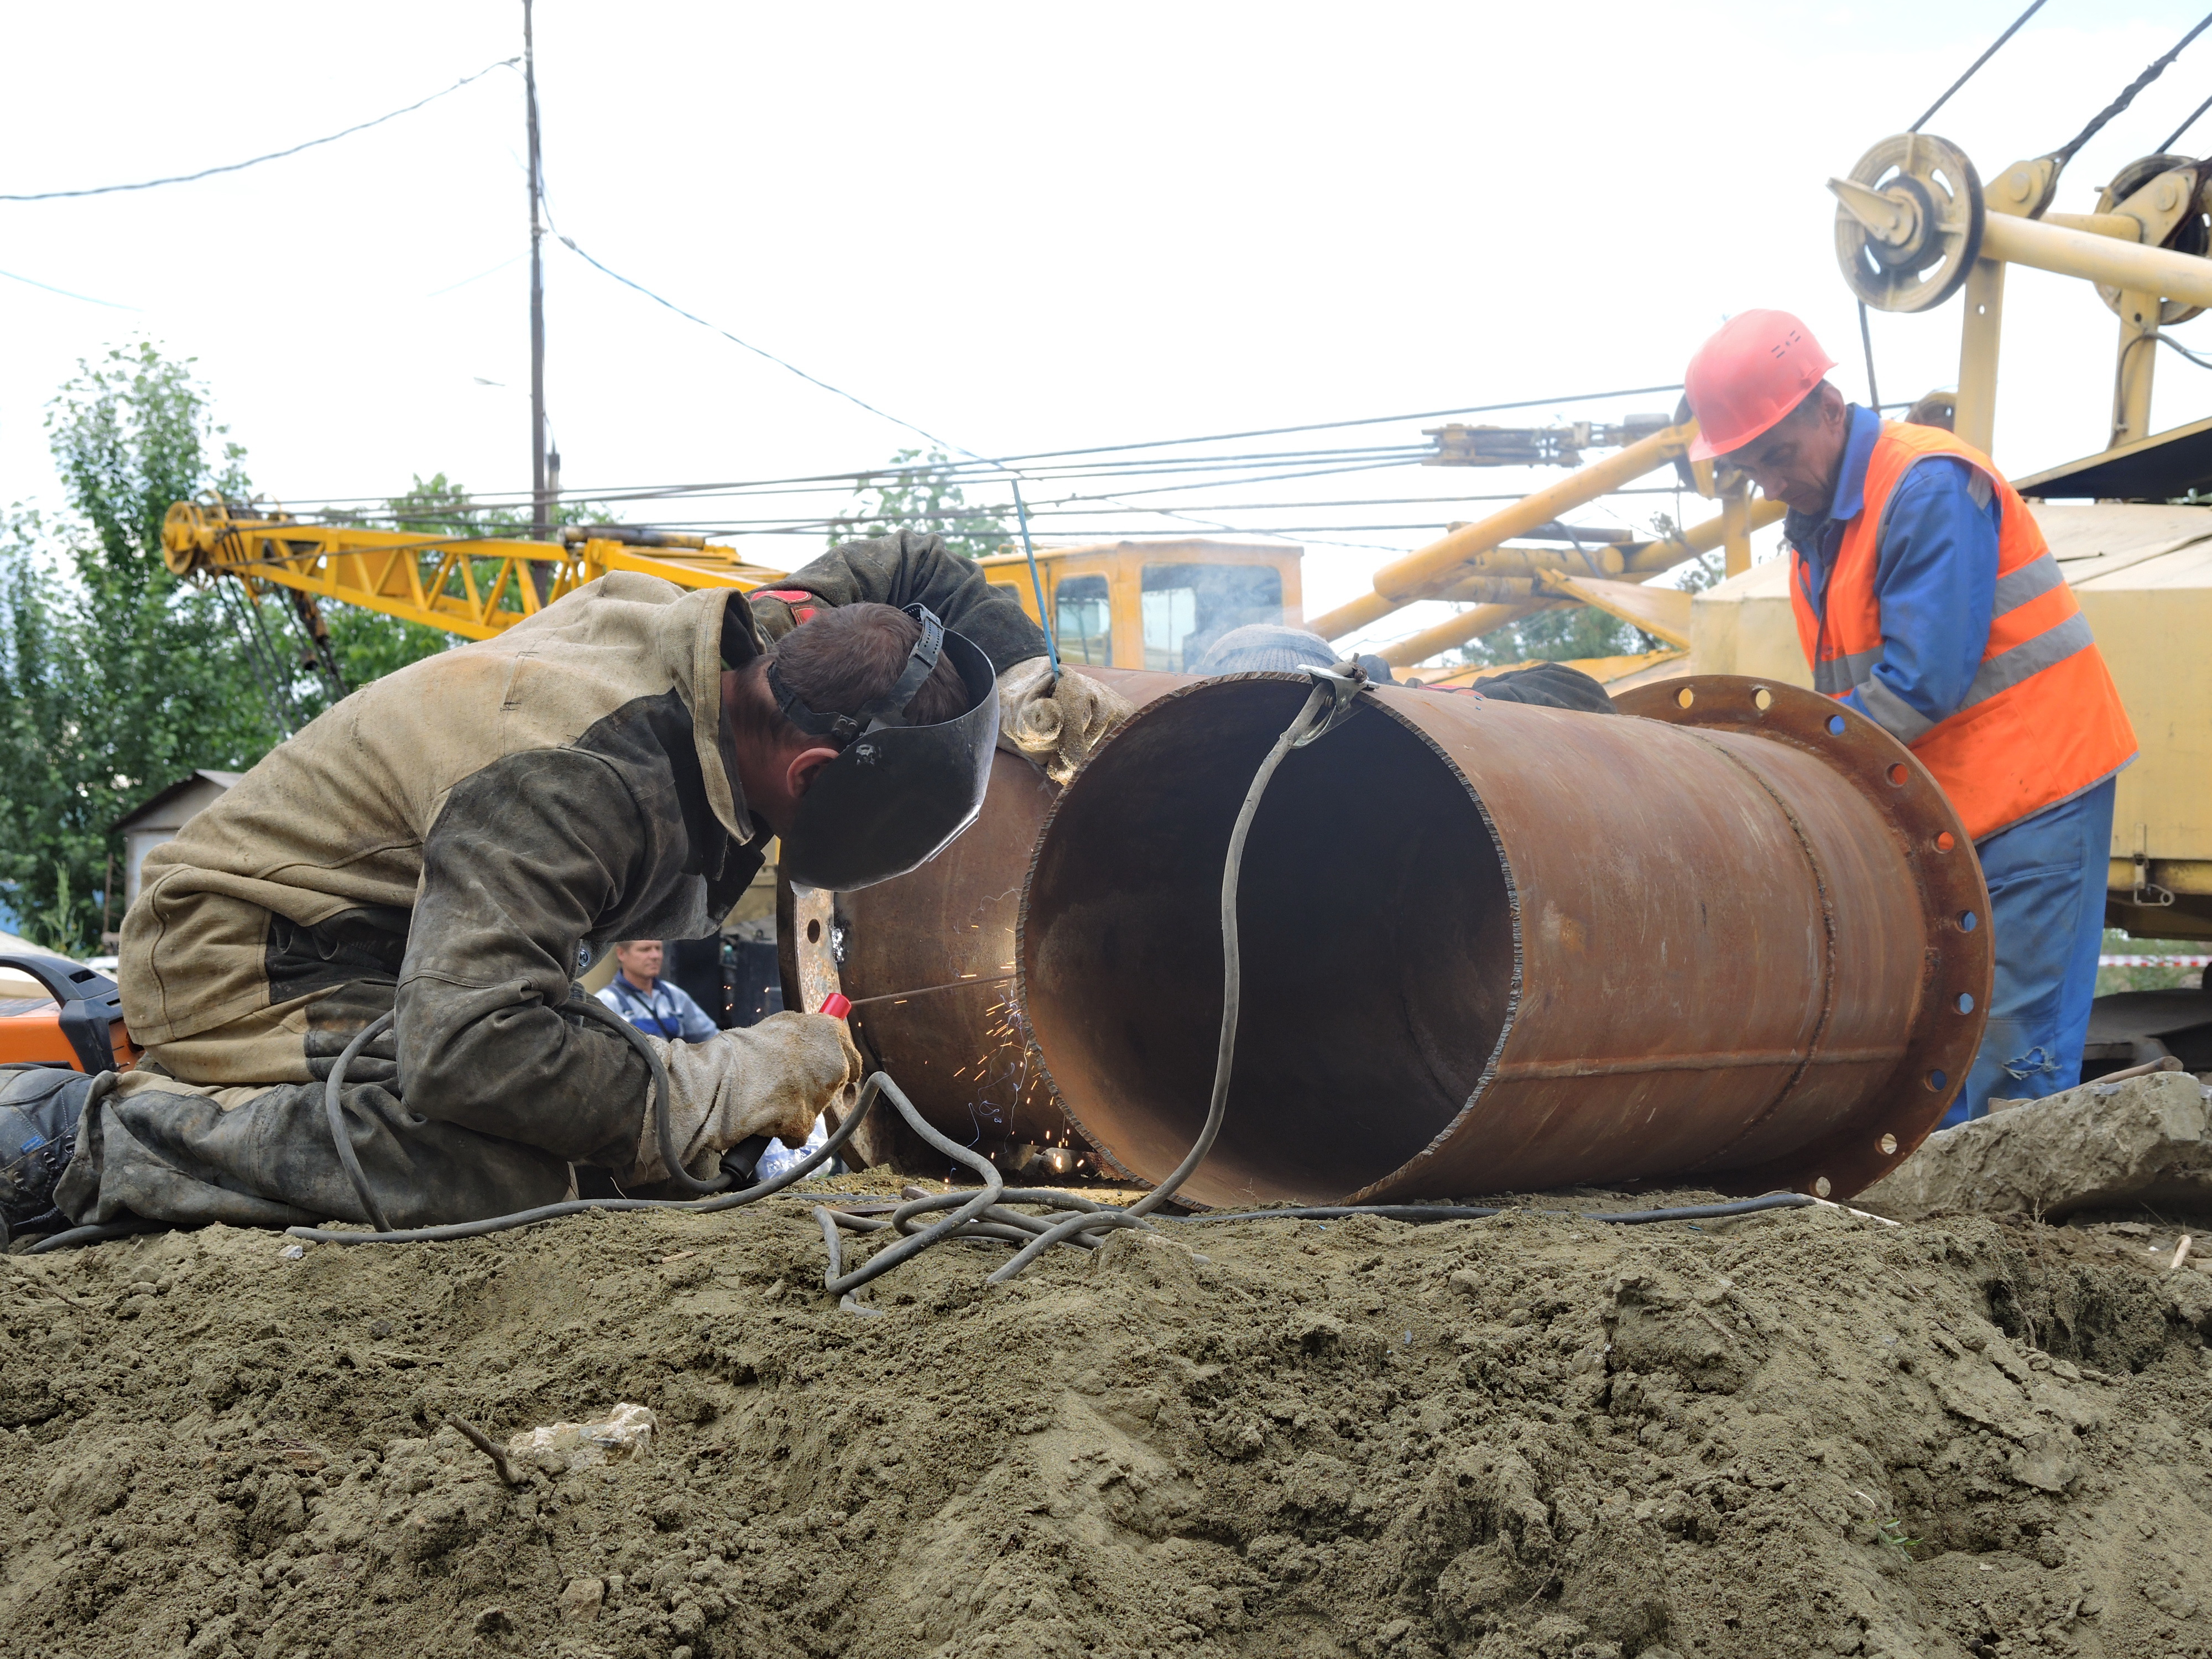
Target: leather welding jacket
[{"x": 479, "y": 826}]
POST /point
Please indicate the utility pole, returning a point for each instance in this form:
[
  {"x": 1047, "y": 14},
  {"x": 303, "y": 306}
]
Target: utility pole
[{"x": 540, "y": 496}]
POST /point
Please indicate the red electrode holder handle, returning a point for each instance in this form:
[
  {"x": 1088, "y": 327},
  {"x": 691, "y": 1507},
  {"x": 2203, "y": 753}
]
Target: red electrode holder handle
[{"x": 836, "y": 1005}]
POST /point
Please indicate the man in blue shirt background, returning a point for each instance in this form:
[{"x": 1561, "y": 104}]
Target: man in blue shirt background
[{"x": 657, "y": 1007}]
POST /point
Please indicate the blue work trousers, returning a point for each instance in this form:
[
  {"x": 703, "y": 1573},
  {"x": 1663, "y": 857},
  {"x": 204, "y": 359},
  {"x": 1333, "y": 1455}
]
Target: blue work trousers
[{"x": 2046, "y": 877}]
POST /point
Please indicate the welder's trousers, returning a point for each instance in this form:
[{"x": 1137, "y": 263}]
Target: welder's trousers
[
  {"x": 230, "y": 1124},
  {"x": 2046, "y": 877}
]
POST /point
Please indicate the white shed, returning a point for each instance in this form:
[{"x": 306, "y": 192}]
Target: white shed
[{"x": 158, "y": 819}]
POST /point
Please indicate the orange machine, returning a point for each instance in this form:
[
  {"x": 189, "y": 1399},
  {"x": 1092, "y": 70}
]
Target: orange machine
[{"x": 78, "y": 1024}]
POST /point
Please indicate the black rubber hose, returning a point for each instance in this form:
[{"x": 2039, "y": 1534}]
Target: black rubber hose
[
  {"x": 334, "y": 1109},
  {"x": 1232, "y": 982},
  {"x": 99, "y": 1233},
  {"x": 880, "y": 1083},
  {"x": 663, "y": 1129},
  {"x": 994, "y": 1185},
  {"x": 1422, "y": 1212}
]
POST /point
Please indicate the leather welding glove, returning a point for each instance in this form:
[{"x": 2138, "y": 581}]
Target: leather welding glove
[
  {"x": 772, "y": 1079},
  {"x": 1055, "y": 723},
  {"x": 377, "y": 1062}
]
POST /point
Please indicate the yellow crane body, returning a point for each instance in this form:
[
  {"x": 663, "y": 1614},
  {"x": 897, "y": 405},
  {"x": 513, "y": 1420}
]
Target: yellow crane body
[{"x": 473, "y": 587}]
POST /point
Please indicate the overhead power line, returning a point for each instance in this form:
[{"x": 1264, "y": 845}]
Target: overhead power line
[
  {"x": 2035, "y": 6},
  {"x": 113, "y": 305},
  {"x": 274, "y": 155},
  {"x": 569, "y": 243}
]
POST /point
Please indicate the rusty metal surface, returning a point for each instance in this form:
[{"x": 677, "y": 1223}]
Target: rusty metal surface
[
  {"x": 1490, "y": 947},
  {"x": 928, "y": 961}
]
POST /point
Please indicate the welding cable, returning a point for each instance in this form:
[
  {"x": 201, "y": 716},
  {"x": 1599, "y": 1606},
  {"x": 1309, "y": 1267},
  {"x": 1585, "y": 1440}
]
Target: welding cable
[
  {"x": 1317, "y": 703},
  {"x": 1430, "y": 1212},
  {"x": 100, "y": 1233},
  {"x": 334, "y": 1109},
  {"x": 994, "y": 1185},
  {"x": 664, "y": 1127},
  {"x": 878, "y": 1085}
]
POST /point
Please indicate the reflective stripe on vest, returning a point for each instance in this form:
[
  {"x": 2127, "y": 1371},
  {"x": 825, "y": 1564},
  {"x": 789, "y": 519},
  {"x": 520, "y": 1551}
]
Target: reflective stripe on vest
[{"x": 2041, "y": 720}]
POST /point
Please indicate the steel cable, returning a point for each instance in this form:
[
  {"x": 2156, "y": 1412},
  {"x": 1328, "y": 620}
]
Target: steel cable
[
  {"x": 2155, "y": 68},
  {"x": 1973, "y": 68}
]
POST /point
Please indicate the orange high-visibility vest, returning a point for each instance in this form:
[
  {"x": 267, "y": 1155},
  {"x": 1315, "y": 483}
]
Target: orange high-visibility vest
[{"x": 2042, "y": 720}]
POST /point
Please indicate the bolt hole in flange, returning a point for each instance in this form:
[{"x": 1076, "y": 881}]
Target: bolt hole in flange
[
  {"x": 814, "y": 932},
  {"x": 1822, "y": 1187},
  {"x": 1887, "y": 1145},
  {"x": 1936, "y": 1080},
  {"x": 1944, "y": 1033},
  {"x": 1762, "y": 700},
  {"x": 1685, "y": 697}
]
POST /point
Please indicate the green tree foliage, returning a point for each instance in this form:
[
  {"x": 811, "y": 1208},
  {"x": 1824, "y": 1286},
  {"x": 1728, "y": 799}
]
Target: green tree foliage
[
  {"x": 919, "y": 493},
  {"x": 118, "y": 678},
  {"x": 115, "y": 677}
]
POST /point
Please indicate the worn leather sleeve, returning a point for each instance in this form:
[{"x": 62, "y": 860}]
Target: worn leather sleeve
[
  {"x": 525, "y": 856},
  {"x": 1548, "y": 685},
  {"x": 910, "y": 567}
]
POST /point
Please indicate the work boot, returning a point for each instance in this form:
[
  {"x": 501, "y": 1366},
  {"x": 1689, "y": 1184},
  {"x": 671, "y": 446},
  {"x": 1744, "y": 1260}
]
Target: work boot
[{"x": 39, "y": 1108}]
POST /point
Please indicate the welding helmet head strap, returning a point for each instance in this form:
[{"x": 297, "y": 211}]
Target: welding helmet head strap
[{"x": 890, "y": 709}]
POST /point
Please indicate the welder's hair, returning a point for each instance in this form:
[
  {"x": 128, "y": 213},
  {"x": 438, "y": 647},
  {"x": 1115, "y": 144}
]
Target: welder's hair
[
  {"x": 1807, "y": 407},
  {"x": 843, "y": 660}
]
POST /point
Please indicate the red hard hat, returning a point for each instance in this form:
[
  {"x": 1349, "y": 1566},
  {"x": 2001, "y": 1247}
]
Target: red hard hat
[{"x": 1755, "y": 370}]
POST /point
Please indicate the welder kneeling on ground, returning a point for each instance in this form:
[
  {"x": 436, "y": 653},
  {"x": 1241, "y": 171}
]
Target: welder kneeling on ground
[
  {"x": 1926, "y": 599},
  {"x": 458, "y": 840}
]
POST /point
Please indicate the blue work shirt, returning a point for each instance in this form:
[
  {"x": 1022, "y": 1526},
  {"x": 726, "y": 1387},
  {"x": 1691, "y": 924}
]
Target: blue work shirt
[
  {"x": 667, "y": 1011},
  {"x": 1936, "y": 574}
]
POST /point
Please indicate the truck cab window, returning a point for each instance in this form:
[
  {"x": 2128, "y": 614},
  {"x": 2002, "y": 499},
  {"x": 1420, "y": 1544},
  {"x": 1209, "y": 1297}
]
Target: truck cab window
[
  {"x": 1083, "y": 621},
  {"x": 1188, "y": 606}
]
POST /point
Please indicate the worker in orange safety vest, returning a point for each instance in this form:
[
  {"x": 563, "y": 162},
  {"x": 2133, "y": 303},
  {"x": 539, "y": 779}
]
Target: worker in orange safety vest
[{"x": 1926, "y": 599}]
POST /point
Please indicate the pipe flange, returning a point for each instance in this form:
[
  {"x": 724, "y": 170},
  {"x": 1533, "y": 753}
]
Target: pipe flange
[{"x": 1946, "y": 1029}]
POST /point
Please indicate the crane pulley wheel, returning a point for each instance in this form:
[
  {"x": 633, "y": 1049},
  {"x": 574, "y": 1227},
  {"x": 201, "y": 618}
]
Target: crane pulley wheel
[
  {"x": 2191, "y": 235},
  {"x": 1921, "y": 256},
  {"x": 184, "y": 538}
]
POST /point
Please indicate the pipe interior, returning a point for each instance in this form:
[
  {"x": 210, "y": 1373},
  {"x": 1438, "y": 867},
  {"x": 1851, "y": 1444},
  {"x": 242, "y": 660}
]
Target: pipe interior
[{"x": 1376, "y": 944}]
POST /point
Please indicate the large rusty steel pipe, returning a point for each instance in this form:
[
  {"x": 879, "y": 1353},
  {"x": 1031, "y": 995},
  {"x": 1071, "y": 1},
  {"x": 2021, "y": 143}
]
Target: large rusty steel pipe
[
  {"x": 928, "y": 962},
  {"x": 1736, "y": 937}
]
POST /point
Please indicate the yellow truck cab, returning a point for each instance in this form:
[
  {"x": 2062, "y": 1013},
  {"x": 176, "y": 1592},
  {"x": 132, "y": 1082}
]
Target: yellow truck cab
[{"x": 1152, "y": 604}]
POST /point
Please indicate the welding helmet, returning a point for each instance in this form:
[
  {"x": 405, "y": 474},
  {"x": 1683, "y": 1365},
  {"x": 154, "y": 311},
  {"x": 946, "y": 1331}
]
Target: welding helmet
[{"x": 897, "y": 793}]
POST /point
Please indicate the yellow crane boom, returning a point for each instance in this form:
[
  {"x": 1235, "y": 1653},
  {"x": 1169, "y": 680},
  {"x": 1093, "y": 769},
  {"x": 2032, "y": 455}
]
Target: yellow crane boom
[{"x": 472, "y": 585}]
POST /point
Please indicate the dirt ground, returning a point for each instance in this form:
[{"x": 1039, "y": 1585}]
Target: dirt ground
[{"x": 1800, "y": 1433}]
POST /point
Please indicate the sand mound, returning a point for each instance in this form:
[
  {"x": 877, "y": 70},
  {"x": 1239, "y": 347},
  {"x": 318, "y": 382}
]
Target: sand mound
[{"x": 1803, "y": 1433}]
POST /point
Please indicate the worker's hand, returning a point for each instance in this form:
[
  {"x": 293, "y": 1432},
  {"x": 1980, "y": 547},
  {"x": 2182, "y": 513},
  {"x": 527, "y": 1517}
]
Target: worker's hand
[
  {"x": 377, "y": 1062},
  {"x": 1055, "y": 724},
  {"x": 772, "y": 1079}
]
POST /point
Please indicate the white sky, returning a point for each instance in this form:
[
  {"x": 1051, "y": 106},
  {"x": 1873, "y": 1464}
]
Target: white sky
[{"x": 1024, "y": 227}]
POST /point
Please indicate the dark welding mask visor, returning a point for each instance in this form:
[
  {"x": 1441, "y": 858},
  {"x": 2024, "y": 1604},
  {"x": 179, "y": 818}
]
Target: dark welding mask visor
[{"x": 897, "y": 793}]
